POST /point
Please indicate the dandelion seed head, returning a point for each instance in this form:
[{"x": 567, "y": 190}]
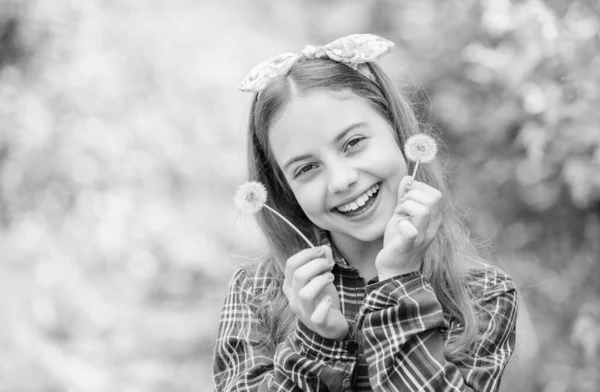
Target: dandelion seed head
[
  {"x": 251, "y": 197},
  {"x": 420, "y": 147}
]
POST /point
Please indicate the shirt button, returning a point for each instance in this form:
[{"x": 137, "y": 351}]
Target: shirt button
[{"x": 352, "y": 347}]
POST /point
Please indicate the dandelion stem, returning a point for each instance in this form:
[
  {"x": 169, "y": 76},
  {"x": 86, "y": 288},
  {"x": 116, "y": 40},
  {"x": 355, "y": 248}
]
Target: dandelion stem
[
  {"x": 291, "y": 225},
  {"x": 415, "y": 170}
]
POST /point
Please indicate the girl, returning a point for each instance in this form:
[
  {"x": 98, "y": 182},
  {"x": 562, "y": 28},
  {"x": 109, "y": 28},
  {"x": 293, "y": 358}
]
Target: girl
[{"x": 395, "y": 297}]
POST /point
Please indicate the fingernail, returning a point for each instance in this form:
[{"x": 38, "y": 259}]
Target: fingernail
[
  {"x": 321, "y": 251},
  {"x": 329, "y": 276},
  {"x": 409, "y": 182},
  {"x": 327, "y": 299}
]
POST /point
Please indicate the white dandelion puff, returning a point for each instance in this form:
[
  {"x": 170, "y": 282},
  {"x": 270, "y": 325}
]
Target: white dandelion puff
[
  {"x": 420, "y": 148},
  {"x": 251, "y": 197}
]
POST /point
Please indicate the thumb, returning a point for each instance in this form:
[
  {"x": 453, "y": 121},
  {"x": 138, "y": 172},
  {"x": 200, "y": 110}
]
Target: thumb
[
  {"x": 328, "y": 252},
  {"x": 403, "y": 187}
]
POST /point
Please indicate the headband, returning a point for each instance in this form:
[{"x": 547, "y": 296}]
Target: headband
[{"x": 354, "y": 50}]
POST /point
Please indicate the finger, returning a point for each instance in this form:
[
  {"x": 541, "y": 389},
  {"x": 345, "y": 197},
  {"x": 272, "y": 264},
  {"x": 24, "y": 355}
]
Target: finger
[
  {"x": 406, "y": 238},
  {"x": 408, "y": 234},
  {"x": 412, "y": 209},
  {"x": 328, "y": 252},
  {"x": 404, "y": 186},
  {"x": 310, "y": 270},
  {"x": 309, "y": 293},
  {"x": 419, "y": 196},
  {"x": 407, "y": 229},
  {"x": 299, "y": 259},
  {"x": 425, "y": 188},
  {"x": 432, "y": 202},
  {"x": 319, "y": 316}
]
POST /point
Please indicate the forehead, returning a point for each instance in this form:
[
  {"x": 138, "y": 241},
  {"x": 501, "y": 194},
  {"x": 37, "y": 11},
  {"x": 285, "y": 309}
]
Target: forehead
[{"x": 316, "y": 118}]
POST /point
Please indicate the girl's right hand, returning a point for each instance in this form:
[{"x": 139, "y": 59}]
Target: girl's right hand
[{"x": 309, "y": 288}]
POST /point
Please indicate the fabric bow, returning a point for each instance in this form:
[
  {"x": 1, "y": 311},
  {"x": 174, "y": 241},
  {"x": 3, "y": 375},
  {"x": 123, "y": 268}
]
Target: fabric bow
[{"x": 354, "y": 51}]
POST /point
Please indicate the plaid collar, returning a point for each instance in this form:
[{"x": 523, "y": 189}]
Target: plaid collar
[{"x": 325, "y": 239}]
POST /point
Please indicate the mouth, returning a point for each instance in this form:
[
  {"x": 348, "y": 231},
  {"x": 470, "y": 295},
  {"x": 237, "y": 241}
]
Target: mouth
[{"x": 361, "y": 204}]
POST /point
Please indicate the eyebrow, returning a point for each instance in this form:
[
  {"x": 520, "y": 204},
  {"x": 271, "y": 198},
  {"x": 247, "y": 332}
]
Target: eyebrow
[{"x": 336, "y": 140}]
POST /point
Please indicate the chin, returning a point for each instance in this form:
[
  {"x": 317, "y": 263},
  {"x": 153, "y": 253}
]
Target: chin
[{"x": 368, "y": 235}]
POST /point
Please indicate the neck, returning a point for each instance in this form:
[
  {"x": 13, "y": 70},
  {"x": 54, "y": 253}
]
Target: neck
[{"x": 361, "y": 255}]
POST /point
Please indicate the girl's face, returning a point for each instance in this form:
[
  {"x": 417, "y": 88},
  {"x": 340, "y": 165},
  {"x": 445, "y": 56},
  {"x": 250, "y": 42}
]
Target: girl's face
[{"x": 342, "y": 162}]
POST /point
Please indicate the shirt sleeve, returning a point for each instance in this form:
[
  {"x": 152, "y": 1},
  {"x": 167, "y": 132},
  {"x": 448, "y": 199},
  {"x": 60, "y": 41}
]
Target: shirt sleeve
[
  {"x": 304, "y": 361},
  {"x": 400, "y": 326}
]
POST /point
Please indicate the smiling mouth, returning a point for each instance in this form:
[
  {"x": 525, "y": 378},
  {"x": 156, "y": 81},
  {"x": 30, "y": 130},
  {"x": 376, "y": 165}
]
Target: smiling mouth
[{"x": 361, "y": 204}]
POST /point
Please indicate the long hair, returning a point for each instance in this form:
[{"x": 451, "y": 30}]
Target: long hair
[{"x": 445, "y": 259}]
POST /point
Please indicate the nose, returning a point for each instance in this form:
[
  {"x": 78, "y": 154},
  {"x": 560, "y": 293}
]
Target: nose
[{"x": 341, "y": 179}]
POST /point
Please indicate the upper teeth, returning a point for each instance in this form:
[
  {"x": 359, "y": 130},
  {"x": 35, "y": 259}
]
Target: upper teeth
[{"x": 360, "y": 201}]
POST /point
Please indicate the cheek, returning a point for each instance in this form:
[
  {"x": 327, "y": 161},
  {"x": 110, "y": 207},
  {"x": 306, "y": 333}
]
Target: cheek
[
  {"x": 309, "y": 198},
  {"x": 389, "y": 160}
]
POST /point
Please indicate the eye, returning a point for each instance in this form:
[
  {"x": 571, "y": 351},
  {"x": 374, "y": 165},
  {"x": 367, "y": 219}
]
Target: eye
[
  {"x": 354, "y": 143},
  {"x": 305, "y": 169}
]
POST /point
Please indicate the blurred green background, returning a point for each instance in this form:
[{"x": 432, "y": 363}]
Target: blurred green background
[{"x": 122, "y": 143}]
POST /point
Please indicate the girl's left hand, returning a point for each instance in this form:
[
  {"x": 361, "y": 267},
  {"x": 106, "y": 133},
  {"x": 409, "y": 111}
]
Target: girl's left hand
[{"x": 415, "y": 223}]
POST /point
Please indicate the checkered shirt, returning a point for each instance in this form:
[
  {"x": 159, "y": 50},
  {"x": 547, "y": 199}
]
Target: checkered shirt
[{"x": 398, "y": 334}]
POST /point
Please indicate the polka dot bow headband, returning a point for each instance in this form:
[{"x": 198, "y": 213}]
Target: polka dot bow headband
[{"x": 354, "y": 51}]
